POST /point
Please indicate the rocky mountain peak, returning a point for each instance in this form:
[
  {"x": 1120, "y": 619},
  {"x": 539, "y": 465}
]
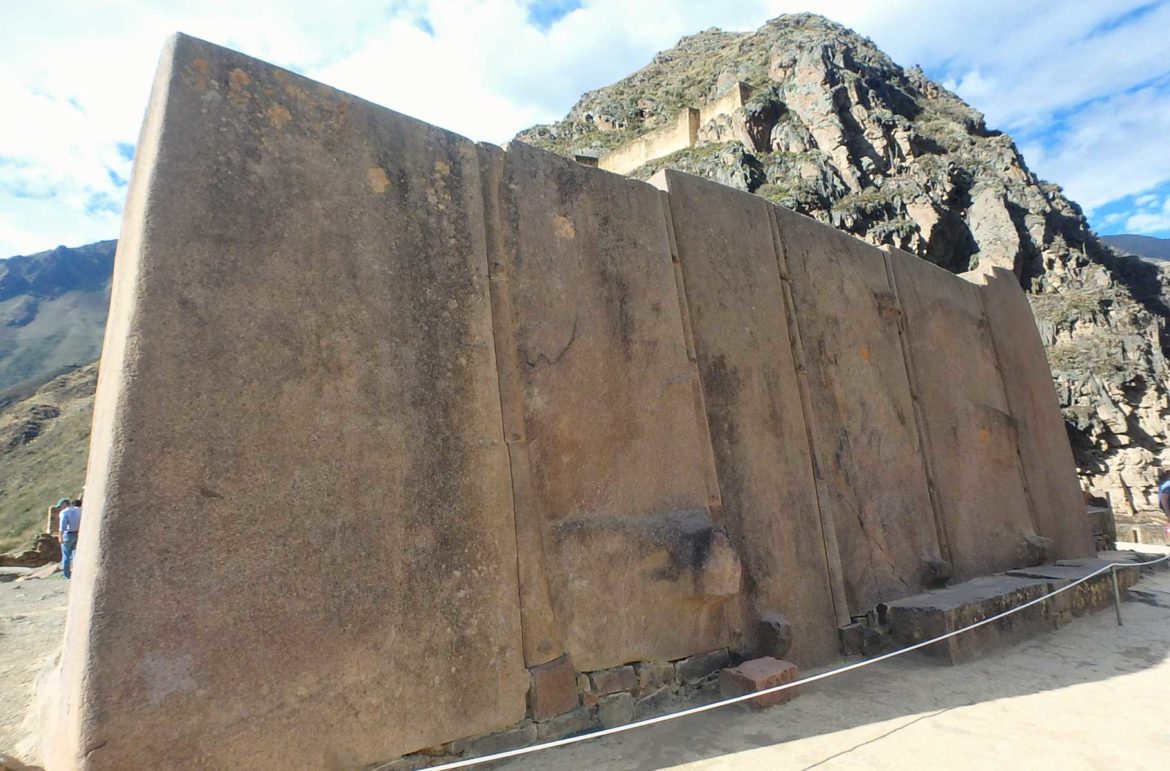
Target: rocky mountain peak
[{"x": 831, "y": 127}]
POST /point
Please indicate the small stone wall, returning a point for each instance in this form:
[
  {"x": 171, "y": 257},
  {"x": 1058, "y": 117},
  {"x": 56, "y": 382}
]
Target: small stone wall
[{"x": 595, "y": 700}]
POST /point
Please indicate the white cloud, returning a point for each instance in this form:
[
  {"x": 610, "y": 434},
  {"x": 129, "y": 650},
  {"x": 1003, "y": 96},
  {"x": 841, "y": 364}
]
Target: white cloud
[
  {"x": 75, "y": 75},
  {"x": 1112, "y": 148},
  {"x": 1151, "y": 222}
]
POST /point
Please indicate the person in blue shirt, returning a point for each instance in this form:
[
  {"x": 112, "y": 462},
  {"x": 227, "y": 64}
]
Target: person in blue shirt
[
  {"x": 70, "y": 525},
  {"x": 1164, "y": 493}
]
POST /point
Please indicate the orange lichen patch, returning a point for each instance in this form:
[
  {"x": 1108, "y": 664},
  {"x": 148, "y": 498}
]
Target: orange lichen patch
[
  {"x": 238, "y": 81},
  {"x": 984, "y": 436},
  {"x": 199, "y": 72},
  {"x": 866, "y": 353},
  {"x": 563, "y": 227},
  {"x": 278, "y": 116},
  {"x": 378, "y": 179},
  {"x": 442, "y": 167}
]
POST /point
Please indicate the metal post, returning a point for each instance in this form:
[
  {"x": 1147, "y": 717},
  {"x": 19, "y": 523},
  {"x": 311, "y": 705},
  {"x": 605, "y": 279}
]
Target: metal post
[{"x": 1116, "y": 594}]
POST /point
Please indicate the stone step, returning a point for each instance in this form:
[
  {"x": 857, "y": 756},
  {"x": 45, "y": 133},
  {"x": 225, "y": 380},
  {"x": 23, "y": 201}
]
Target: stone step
[{"x": 924, "y": 616}]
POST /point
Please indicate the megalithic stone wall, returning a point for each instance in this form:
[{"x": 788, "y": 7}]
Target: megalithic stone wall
[
  {"x": 969, "y": 432},
  {"x": 396, "y": 434},
  {"x": 300, "y": 515}
]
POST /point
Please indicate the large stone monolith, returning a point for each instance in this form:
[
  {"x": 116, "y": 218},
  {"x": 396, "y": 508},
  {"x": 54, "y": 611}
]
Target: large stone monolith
[
  {"x": 299, "y": 514},
  {"x": 868, "y": 445}
]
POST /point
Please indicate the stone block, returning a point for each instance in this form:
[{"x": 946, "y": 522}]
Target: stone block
[
  {"x": 851, "y": 638},
  {"x": 589, "y": 696},
  {"x": 1037, "y": 549},
  {"x": 501, "y": 741},
  {"x": 1089, "y": 596},
  {"x": 568, "y": 724},
  {"x": 653, "y": 675},
  {"x": 695, "y": 668},
  {"x": 970, "y": 432},
  {"x": 553, "y": 689},
  {"x": 299, "y": 307},
  {"x": 615, "y": 709},
  {"x": 741, "y": 337},
  {"x": 759, "y": 675},
  {"x": 611, "y": 427},
  {"x": 659, "y": 702},
  {"x": 1049, "y": 469},
  {"x": 863, "y": 411},
  {"x": 926, "y": 616},
  {"x": 775, "y": 635},
  {"x": 612, "y": 680},
  {"x": 936, "y": 573}
]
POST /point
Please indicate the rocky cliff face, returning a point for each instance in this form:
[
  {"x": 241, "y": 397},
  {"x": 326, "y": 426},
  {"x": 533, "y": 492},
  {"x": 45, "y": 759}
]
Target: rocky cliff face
[{"x": 836, "y": 130}]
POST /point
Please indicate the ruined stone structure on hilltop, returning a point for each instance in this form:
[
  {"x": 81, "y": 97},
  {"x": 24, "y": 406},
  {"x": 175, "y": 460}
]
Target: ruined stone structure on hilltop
[{"x": 404, "y": 420}]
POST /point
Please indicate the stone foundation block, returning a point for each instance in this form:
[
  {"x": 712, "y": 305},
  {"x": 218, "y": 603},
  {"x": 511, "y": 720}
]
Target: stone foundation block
[
  {"x": 924, "y": 616},
  {"x": 615, "y": 709},
  {"x": 568, "y": 724},
  {"x": 657, "y": 703},
  {"x": 554, "y": 688},
  {"x": 758, "y": 675},
  {"x": 653, "y": 675},
  {"x": 852, "y": 639},
  {"x": 613, "y": 680},
  {"x": 588, "y": 694},
  {"x": 502, "y": 741},
  {"x": 697, "y": 667}
]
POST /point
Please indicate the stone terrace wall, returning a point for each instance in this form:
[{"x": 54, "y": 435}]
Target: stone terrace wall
[
  {"x": 679, "y": 135},
  {"x": 429, "y": 440}
]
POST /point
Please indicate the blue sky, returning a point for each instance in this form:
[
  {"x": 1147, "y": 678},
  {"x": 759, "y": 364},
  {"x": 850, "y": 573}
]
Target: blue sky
[{"x": 1083, "y": 87}]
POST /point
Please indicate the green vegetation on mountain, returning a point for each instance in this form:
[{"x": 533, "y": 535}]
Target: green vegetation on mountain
[{"x": 44, "y": 444}]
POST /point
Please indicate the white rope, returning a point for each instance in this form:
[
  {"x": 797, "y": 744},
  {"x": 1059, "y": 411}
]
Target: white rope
[{"x": 784, "y": 686}]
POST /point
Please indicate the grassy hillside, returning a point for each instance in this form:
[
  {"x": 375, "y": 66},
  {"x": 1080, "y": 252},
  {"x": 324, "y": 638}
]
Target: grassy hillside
[{"x": 44, "y": 442}]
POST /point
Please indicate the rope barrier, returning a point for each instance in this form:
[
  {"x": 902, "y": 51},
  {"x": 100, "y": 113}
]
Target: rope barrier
[{"x": 802, "y": 681}]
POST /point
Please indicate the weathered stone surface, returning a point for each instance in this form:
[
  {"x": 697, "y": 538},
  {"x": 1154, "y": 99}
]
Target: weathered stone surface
[
  {"x": 851, "y": 638},
  {"x": 926, "y": 616},
  {"x": 501, "y": 741},
  {"x": 657, "y": 703},
  {"x": 589, "y": 696},
  {"x": 698, "y": 667},
  {"x": 610, "y": 420},
  {"x": 759, "y": 675},
  {"x": 299, "y": 419},
  {"x": 970, "y": 435},
  {"x": 1089, "y": 596},
  {"x": 1057, "y": 504},
  {"x": 775, "y": 635},
  {"x": 741, "y": 338},
  {"x": 615, "y": 709},
  {"x": 553, "y": 690},
  {"x": 868, "y": 446},
  {"x": 613, "y": 680},
  {"x": 9, "y": 763},
  {"x": 568, "y": 724},
  {"x": 653, "y": 675},
  {"x": 936, "y": 573}
]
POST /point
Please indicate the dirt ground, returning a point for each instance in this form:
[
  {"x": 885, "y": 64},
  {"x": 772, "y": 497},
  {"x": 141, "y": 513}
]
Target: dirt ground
[
  {"x": 1090, "y": 695},
  {"x": 32, "y": 623}
]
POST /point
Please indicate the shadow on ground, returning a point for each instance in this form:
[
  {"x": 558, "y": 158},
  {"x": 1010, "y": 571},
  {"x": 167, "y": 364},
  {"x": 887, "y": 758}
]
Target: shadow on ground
[{"x": 907, "y": 691}]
